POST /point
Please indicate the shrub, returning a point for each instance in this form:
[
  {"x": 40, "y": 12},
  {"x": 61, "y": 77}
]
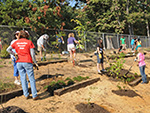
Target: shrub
[{"x": 4, "y": 53}]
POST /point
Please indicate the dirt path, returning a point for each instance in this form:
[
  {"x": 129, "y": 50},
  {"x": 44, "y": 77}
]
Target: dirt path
[{"x": 103, "y": 93}]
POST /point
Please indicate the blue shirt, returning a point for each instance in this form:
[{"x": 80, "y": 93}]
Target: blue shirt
[
  {"x": 59, "y": 39},
  {"x": 132, "y": 41}
]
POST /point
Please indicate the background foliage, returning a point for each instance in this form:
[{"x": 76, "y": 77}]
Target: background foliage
[{"x": 113, "y": 16}]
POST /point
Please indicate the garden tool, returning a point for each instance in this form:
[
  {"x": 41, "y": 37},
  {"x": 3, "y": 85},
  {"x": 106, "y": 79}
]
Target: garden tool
[{"x": 130, "y": 67}]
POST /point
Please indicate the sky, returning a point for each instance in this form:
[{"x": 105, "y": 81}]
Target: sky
[{"x": 72, "y": 2}]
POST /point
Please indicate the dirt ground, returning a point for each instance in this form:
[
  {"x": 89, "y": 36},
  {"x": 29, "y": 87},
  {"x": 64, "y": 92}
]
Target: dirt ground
[{"x": 102, "y": 96}]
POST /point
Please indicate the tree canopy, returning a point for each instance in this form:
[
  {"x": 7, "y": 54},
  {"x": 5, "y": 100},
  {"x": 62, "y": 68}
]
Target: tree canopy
[{"x": 114, "y": 16}]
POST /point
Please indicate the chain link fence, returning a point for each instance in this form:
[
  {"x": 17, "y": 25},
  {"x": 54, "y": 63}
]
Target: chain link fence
[{"x": 110, "y": 40}]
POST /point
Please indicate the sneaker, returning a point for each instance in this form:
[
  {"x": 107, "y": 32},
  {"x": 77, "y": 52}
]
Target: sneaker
[
  {"x": 99, "y": 72},
  {"x": 27, "y": 97},
  {"x": 17, "y": 82},
  {"x": 35, "y": 98},
  {"x": 143, "y": 82},
  {"x": 103, "y": 70}
]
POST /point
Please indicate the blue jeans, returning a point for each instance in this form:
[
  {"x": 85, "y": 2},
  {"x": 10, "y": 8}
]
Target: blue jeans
[
  {"x": 16, "y": 73},
  {"x": 99, "y": 60},
  {"x": 142, "y": 71},
  {"x": 24, "y": 68}
]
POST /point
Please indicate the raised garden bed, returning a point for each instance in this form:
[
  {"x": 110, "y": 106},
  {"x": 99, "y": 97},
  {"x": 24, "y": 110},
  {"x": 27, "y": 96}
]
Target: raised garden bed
[
  {"x": 124, "y": 75},
  {"x": 12, "y": 94},
  {"x": 51, "y": 61},
  {"x": 63, "y": 86}
]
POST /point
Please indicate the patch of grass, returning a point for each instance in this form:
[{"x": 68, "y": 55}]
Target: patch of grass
[
  {"x": 1, "y": 66},
  {"x": 4, "y": 86},
  {"x": 80, "y": 78},
  {"x": 1, "y": 60},
  {"x": 4, "y": 53},
  {"x": 9, "y": 62}
]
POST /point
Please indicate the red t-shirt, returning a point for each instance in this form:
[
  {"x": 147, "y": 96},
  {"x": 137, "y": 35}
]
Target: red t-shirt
[{"x": 22, "y": 47}]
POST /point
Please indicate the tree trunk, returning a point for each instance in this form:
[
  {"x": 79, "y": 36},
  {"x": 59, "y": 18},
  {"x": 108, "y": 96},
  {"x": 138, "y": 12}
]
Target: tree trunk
[
  {"x": 129, "y": 25},
  {"x": 147, "y": 27}
]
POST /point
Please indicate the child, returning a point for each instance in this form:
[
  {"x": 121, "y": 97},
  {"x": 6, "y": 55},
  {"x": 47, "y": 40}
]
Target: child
[
  {"x": 123, "y": 43},
  {"x": 100, "y": 55},
  {"x": 138, "y": 44},
  {"x": 140, "y": 59},
  {"x": 16, "y": 73},
  {"x": 132, "y": 44}
]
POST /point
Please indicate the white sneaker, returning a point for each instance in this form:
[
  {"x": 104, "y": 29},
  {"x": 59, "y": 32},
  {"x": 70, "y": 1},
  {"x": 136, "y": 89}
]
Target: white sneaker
[
  {"x": 99, "y": 71},
  {"x": 17, "y": 82}
]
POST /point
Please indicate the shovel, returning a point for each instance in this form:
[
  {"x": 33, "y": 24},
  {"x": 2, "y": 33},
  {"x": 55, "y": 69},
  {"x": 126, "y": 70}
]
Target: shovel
[{"x": 129, "y": 69}]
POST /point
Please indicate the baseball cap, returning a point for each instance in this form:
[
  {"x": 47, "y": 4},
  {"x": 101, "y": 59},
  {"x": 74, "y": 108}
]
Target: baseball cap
[
  {"x": 27, "y": 32},
  {"x": 46, "y": 36},
  {"x": 17, "y": 32}
]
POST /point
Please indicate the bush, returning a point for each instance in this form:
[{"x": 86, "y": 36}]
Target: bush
[{"x": 4, "y": 53}]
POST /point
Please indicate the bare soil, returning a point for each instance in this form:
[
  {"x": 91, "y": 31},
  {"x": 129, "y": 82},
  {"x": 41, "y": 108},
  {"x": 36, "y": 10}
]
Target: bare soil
[{"x": 103, "y": 96}]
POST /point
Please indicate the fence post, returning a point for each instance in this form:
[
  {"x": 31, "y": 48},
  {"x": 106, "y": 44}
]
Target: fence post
[
  {"x": 118, "y": 41},
  {"x": 129, "y": 38},
  {"x": 103, "y": 40},
  {"x": 85, "y": 41},
  {"x": 146, "y": 41}
]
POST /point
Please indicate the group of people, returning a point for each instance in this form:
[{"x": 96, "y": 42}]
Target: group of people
[
  {"x": 140, "y": 56},
  {"x": 135, "y": 44},
  {"x": 23, "y": 56}
]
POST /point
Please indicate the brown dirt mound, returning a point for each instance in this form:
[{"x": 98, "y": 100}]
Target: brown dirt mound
[
  {"x": 12, "y": 109},
  {"x": 90, "y": 108}
]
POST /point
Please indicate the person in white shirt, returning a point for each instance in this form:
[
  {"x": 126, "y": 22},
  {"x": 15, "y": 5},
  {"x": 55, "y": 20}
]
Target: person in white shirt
[{"x": 41, "y": 43}]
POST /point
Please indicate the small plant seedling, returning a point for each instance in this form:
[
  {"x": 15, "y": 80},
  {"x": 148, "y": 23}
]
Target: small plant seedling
[
  {"x": 70, "y": 82},
  {"x": 61, "y": 82},
  {"x": 45, "y": 87},
  {"x": 52, "y": 83},
  {"x": 119, "y": 87},
  {"x": 124, "y": 87},
  {"x": 68, "y": 78}
]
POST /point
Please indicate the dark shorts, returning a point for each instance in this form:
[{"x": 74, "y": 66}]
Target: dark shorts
[{"x": 99, "y": 60}]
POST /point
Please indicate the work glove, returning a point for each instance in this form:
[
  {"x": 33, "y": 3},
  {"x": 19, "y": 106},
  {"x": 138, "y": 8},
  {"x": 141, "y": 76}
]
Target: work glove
[
  {"x": 63, "y": 42},
  {"x": 44, "y": 49}
]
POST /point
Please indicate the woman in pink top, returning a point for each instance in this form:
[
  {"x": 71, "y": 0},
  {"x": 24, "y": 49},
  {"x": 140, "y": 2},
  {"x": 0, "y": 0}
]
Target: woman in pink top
[{"x": 142, "y": 64}]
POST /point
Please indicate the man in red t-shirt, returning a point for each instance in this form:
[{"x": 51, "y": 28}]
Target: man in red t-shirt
[{"x": 25, "y": 52}]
